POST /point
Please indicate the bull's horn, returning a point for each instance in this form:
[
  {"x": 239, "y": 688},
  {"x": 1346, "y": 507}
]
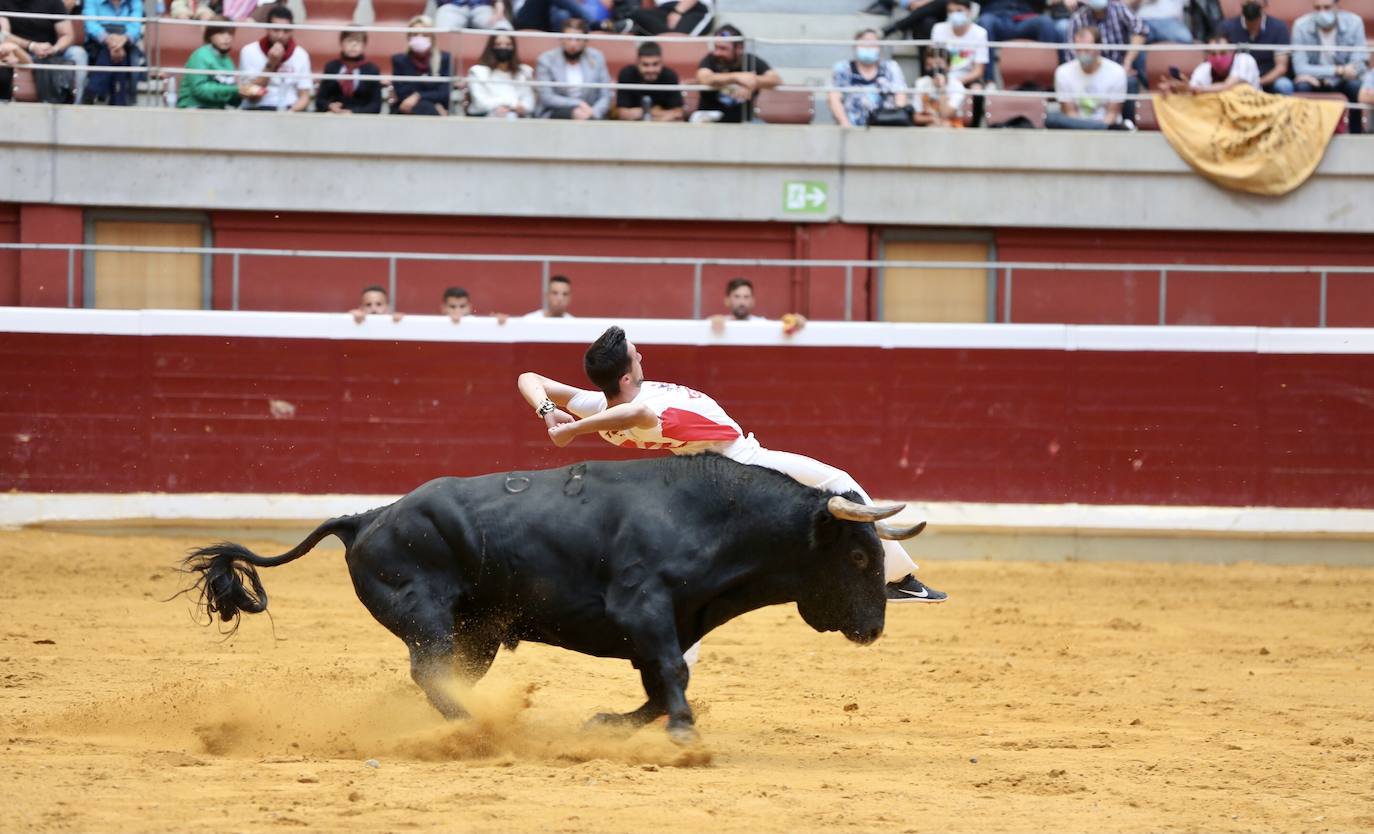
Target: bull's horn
[
  {"x": 841, "y": 507},
  {"x": 894, "y": 533}
]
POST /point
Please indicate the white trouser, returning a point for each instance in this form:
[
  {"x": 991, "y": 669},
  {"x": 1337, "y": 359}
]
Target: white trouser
[{"x": 897, "y": 564}]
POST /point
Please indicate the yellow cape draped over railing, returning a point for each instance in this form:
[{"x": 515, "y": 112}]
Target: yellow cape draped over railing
[{"x": 1247, "y": 140}]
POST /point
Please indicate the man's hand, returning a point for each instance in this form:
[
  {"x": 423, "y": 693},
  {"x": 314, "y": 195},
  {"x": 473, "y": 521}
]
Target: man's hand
[
  {"x": 408, "y": 103},
  {"x": 558, "y": 417},
  {"x": 250, "y": 90},
  {"x": 718, "y": 324},
  {"x": 747, "y": 80},
  {"x": 40, "y": 50},
  {"x": 562, "y": 434},
  {"x": 501, "y": 112},
  {"x": 1349, "y": 72},
  {"x": 1307, "y": 79},
  {"x": 275, "y": 54},
  {"x": 358, "y": 315},
  {"x": 583, "y": 112},
  {"x": 501, "y": 318},
  {"x": 792, "y": 324},
  {"x": 336, "y": 107}
]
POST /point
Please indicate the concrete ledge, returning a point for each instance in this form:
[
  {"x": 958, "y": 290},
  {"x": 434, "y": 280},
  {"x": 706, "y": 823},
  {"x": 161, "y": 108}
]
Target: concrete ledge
[{"x": 981, "y": 178}]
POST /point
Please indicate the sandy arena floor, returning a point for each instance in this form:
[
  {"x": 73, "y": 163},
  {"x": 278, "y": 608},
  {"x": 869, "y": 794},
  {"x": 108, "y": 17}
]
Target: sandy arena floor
[{"x": 1045, "y": 697}]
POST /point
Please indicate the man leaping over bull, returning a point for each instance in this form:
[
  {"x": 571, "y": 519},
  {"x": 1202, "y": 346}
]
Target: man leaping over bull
[{"x": 631, "y": 412}]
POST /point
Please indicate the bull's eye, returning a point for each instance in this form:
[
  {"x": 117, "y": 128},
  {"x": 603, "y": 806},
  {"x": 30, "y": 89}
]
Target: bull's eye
[{"x": 859, "y": 558}]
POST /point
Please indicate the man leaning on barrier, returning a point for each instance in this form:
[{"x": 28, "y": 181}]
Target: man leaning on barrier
[{"x": 40, "y": 41}]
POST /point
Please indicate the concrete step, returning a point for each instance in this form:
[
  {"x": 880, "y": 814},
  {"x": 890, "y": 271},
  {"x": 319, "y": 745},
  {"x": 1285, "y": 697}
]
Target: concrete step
[
  {"x": 823, "y": 26},
  {"x": 789, "y": 7}
]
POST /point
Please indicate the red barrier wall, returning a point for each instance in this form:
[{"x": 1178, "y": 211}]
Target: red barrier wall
[{"x": 192, "y": 414}]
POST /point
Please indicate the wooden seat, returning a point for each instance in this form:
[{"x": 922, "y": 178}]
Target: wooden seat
[
  {"x": 1023, "y": 66},
  {"x": 1001, "y": 109},
  {"x": 24, "y": 87},
  {"x": 1145, "y": 115},
  {"x": 786, "y": 108}
]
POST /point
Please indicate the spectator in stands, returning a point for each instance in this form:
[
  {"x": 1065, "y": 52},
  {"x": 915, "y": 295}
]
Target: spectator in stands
[
  {"x": 430, "y": 97},
  {"x": 374, "y": 302},
  {"x": 110, "y": 44},
  {"x": 1255, "y": 26},
  {"x": 494, "y": 87},
  {"x": 557, "y": 301},
  {"x": 1117, "y": 25},
  {"x": 1367, "y": 88},
  {"x": 457, "y": 305},
  {"x": 1232, "y": 67},
  {"x": 883, "y": 82},
  {"x": 919, "y": 19},
  {"x": 550, "y": 15},
  {"x": 657, "y": 105},
  {"x": 739, "y": 301},
  {"x": 1090, "y": 88},
  {"x": 939, "y": 96},
  {"x": 220, "y": 90},
  {"x": 735, "y": 77},
  {"x": 468, "y": 14},
  {"x": 238, "y": 10},
  {"x": 967, "y": 45},
  {"x": 569, "y": 68},
  {"x": 1339, "y": 71},
  {"x": 1006, "y": 20},
  {"x": 277, "y": 52},
  {"x": 38, "y": 41},
  {"x": 354, "y": 94},
  {"x": 1164, "y": 21},
  {"x": 689, "y": 17}
]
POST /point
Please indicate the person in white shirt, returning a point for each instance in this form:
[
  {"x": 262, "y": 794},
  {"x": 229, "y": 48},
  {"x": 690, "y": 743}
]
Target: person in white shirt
[
  {"x": 739, "y": 301},
  {"x": 557, "y": 301},
  {"x": 1223, "y": 69},
  {"x": 1164, "y": 19},
  {"x": 967, "y": 45},
  {"x": 493, "y": 82},
  {"x": 457, "y": 305},
  {"x": 1090, "y": 88},
  {"x": 630, "y": 412},
  {"x": 277, "y": 52},
  {"x": 939, "y": 98}
]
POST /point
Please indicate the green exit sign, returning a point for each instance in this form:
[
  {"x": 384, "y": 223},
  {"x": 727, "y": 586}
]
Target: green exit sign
[{"x": 805, "y": 197}]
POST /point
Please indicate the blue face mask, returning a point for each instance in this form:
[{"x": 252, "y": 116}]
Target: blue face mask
[
  {"x": 1326, "y": 18},
  {"x": 1087, "y": 59},
  {"x": 957, "y": 19},
  {"x": 867, "y": 54}
]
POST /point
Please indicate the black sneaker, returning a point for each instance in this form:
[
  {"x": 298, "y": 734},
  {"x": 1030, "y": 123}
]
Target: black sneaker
[{"x": 911, "y": 589}]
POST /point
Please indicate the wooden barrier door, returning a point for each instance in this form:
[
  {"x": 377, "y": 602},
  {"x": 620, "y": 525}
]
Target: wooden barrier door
[
  {"x": 938, "y": 295},
  {"x": 137, "y": 280}
]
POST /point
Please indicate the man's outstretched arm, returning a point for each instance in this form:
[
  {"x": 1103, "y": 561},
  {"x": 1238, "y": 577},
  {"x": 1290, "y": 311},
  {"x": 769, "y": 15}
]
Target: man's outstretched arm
[
  {"x": 616, "y": 418},
  {"x": 536, "y": 388}
]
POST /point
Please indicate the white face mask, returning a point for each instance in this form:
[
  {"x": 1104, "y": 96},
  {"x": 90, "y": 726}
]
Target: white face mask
[
  {"x": 957, "y": 19},
  {"x": 420, "y": 43},
  {"x": 1097, "y": 5}
]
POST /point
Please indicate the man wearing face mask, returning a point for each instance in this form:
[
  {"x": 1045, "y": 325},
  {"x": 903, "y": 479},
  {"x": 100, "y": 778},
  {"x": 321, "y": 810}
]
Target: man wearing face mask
[
  {"x": 967, "y": 45},
  {"x": 570, "y": 67},
  {"x": 1337, "y": 71},
  {"x": 1255, "y": 26},
  {"x": 1090, "y": 88},
  {"x": 1119, "y": 26},
  {"x": 1223, "y": 69},
  {"x": 430, "y": 93},
  {"x": 878, "y": 84}
]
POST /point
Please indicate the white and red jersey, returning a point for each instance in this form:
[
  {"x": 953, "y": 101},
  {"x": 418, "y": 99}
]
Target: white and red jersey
[{"x": 689, "y": 422}]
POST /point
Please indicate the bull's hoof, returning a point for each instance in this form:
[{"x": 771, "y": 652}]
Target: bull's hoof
[
  {"x": 684, "y": 735},
  {"x": 609, "y": 721}
]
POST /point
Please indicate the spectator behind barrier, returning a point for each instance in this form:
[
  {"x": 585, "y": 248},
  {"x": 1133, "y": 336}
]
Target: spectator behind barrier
[
  {"x": 885, "y": 86},
  {"x": 28, "y": 40},
  {"x": 492, "y": 87},
  {"x": 550, "y": 15},
  {"x": 939, "y": 98},
  {"x": 557, "y": 301},
  {"x": 918, "y": 17},
  {"x": 218, "y": 91},
  {"x": 1118, "y": 26},
  {"x": 1255, "y": 26},
  {"x": 739, "y": 301},
  {"x": 735, "y": 77},
  {"x": 354, "y": 94},
  {"x": 1330, "y": 71},
  {"x": 664, "y": 105},
  {"x": 374, "y": 302},
  {"x": 1164, "y": 21},
  {"x": 469, "y": 14},
  {"x": 421, "y": 60},
  {"x": 277, "y": 52},
  {"x": 568, "y": 67},
  {"x": 110, "y": 44},
  {"x": 1007, "y": 20},
  {"x": 688, "y": 17},
  {"x": 457, "y": 305},
  {"x": 1233, "y": 68},
  {"x": 967, "y": 43},
  {"x": 1090, "y": 88}
]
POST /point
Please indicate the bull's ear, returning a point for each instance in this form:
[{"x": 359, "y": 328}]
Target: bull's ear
[{"x": 825, "y": 528}]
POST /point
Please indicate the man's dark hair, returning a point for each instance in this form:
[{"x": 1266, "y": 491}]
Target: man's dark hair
[
  {"x": 1091, "y": 30},
  {"x": 607, "y": 360},
  {"x": 565, "y": 279},
  {"x": 214, "y": 29},
  {"x": 574, "y": 24},
  {"x": 963, "y": 4},
  {"x": 353, "y": 33},
  {"x": 455, "y": 292},
  {"x": 736, "y": 283},
  {"x": 280, "y": 13},
  {"x": 649, "y": 49},
  {"x": 376, "y": 288}
]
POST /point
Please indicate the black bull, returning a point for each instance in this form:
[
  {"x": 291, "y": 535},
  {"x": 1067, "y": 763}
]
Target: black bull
[{"x": 635, "y": 559}]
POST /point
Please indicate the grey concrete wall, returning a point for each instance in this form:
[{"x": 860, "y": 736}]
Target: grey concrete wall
[{"x": 193, "y": 160}]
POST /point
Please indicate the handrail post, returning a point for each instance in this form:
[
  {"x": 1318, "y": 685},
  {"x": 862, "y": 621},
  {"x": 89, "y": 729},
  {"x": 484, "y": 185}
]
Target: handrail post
[
  {"x": 849, "y": 292},
  {"x": 696, "y": 290},
  {"x": 1006, "y": 297},
  {"x": 71, "y": 278},
  {"x": 1321, "y": 307},
  {"x": 1163, "y": 296},
  {"x": 544, "y": 284},
  {"x": 391, "y": 280},
  {"x": 234, "y": 284}
]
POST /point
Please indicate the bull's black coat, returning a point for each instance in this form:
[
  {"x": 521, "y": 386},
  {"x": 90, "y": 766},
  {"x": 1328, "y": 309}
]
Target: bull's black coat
[{"x": 632, "y": 559}]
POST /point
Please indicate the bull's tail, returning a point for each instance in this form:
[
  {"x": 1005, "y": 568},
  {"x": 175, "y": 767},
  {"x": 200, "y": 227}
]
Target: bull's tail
[{"x": 226, "y": 576}]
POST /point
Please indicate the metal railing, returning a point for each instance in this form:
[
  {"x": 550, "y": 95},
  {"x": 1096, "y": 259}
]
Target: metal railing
[
  {"x": 1000, "y": 274},
  {"x": 155, "y": 68}
]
